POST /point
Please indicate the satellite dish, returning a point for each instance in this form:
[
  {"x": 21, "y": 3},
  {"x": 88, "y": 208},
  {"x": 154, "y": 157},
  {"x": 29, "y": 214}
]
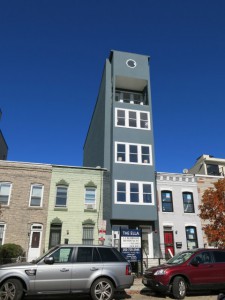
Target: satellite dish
[{"x": 185, "y": 171}]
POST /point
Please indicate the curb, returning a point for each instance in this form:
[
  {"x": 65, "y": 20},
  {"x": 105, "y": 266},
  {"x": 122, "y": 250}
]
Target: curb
[
  {"x": 137, "y": 288},
  {"x": 141, "y": 291}
]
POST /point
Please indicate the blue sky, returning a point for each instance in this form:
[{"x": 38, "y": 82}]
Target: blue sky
[{"x": 52, "y": 55}]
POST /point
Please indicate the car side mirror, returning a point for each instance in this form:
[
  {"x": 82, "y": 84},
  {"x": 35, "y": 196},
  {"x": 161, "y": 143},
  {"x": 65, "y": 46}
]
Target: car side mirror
[
  {"x": 49, "y": 260},
  {"x": 194, "y": 263}
]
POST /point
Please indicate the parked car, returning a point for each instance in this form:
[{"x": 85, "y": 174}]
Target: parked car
[
  {"x": 198, "y": 269},
  {"x": 65, "y": 269}
]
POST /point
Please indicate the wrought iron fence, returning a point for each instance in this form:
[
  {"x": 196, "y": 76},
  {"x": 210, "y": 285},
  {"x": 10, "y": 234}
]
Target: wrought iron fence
[
  {"x": 138, "y": 268},
  {"x": 152, "y": 262},
  {"x": 12, "y": 260}
]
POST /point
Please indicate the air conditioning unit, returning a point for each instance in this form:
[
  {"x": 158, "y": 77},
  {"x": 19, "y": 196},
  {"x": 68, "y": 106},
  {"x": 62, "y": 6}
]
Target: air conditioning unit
[{"x": 89, "y": 206}]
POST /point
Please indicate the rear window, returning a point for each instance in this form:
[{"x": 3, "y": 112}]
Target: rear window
[
  {"x": 110, "y": 255},
  {"x": 219, "y": 256}
]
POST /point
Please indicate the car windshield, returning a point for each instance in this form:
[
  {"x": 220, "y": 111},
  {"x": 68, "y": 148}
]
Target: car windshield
[
  {"x": 35, "y": 261},
  {"x": 180, "y": 258}
]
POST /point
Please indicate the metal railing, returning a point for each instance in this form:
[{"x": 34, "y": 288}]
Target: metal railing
[
  {"x": 12, "y": 260},
  {"x": 152, "y": 262},
  {"x": 138, "y": 268}
]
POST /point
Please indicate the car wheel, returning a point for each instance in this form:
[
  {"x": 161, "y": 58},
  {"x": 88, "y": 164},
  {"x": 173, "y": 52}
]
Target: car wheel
[
  {"x": 179, "y": 287},
  {"x": 11, "y": 289},
  {"x": 102, "y": 289}
]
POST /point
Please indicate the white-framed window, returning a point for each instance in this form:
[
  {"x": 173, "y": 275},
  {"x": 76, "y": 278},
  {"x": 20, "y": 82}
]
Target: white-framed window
[
  {"x": 132, "y": 119},
  {"x": 36, "y": 195},
  {"x": 5, "y": 192},
  {"x": 61, "y": 196},
  {"x": 133, "y": 153},
  {"x": 134, "y": 192},
  {"x": 2, "y": 233},
  {"x": 90, "y": 198}
]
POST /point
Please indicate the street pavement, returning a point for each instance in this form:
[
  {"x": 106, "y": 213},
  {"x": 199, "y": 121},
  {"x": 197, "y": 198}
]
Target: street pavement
[{"x": 137, "y": 292}]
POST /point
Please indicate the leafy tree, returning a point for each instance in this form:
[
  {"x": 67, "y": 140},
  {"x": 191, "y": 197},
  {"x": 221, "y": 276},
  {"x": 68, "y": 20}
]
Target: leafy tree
[{"x": 212, "y": 211}]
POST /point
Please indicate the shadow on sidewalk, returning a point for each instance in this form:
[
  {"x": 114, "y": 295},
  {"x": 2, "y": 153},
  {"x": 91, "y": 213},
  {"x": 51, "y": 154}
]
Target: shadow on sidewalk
[
  {"x": 121, "y": 295},
  {"x": 148, "y": 292}
]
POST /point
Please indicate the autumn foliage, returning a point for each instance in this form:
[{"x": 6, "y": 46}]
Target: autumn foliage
[{"x": 212, "y": 211}]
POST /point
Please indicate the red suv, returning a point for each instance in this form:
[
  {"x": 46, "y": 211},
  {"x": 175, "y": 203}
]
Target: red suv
[{"x": 197, "y": 269}]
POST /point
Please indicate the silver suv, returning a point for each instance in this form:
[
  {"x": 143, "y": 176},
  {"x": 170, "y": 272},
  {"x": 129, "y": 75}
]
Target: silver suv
[{"x": 67, "y": 269}]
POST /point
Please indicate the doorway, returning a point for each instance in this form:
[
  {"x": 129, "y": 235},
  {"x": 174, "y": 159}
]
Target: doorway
[
  {"x": 35, "y": 242},
  {"x": 169, "y": 244},
  {"x": 55, "y": 235}
]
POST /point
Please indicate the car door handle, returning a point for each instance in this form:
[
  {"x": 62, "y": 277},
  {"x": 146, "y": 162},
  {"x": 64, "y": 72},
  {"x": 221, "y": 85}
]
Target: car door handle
[
  {"x": 64, "y": 270},
  {"x": 94, "y": 269}
]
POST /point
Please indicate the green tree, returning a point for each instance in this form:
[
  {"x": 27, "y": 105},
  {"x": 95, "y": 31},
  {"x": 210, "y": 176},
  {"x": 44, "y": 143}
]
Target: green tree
[
  {"x": 212, "y": 211},
  {"x": 10, "y": 251}
]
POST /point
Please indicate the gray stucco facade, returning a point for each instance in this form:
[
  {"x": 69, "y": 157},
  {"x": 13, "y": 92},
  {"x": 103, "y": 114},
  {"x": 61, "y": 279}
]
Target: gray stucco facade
[
  {"x": 120, "y": 138},
  {"x": 3, "y": 147}
]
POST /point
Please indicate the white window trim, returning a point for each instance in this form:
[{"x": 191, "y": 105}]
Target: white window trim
[
  {"x": 42, "y": 194},
  {"x": 10, "y": 190},
  {"x": 4, "y": 231},
  {"x": 168, "y": 224},
  {"x": 139, "y": 153},
  {"x": 138, "y": 114},
  {"x": 87, "y": 204},
  {"x": 140, "y": 185},
  {"x": 34, "y": 225}
]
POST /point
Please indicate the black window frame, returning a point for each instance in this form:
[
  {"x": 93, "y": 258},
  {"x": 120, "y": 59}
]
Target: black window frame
[
  {"x": 191, "y": 240},
  {"x": 187, "y": 203},
  {"x": 169, "y": 201}
]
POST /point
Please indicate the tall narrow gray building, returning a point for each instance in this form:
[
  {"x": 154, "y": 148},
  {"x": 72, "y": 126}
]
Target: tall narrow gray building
[
  {"x": 120, "y": 138},
  {"x": 3, "y": 144}
]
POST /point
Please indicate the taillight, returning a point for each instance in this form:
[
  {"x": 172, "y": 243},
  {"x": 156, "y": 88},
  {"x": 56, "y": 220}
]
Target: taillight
[{"x": 128, "y": 270}]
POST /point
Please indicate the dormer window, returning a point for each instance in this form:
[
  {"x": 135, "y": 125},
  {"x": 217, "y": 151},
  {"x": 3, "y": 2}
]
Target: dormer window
[{"x": 213, "y": 170}]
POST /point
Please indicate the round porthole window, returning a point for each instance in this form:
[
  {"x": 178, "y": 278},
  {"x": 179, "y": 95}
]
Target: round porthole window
[{"x": 131, "y": 63}]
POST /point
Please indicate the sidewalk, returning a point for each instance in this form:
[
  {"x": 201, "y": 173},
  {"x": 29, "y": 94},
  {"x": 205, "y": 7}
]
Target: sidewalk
[{"x": 139, "y": 289}]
